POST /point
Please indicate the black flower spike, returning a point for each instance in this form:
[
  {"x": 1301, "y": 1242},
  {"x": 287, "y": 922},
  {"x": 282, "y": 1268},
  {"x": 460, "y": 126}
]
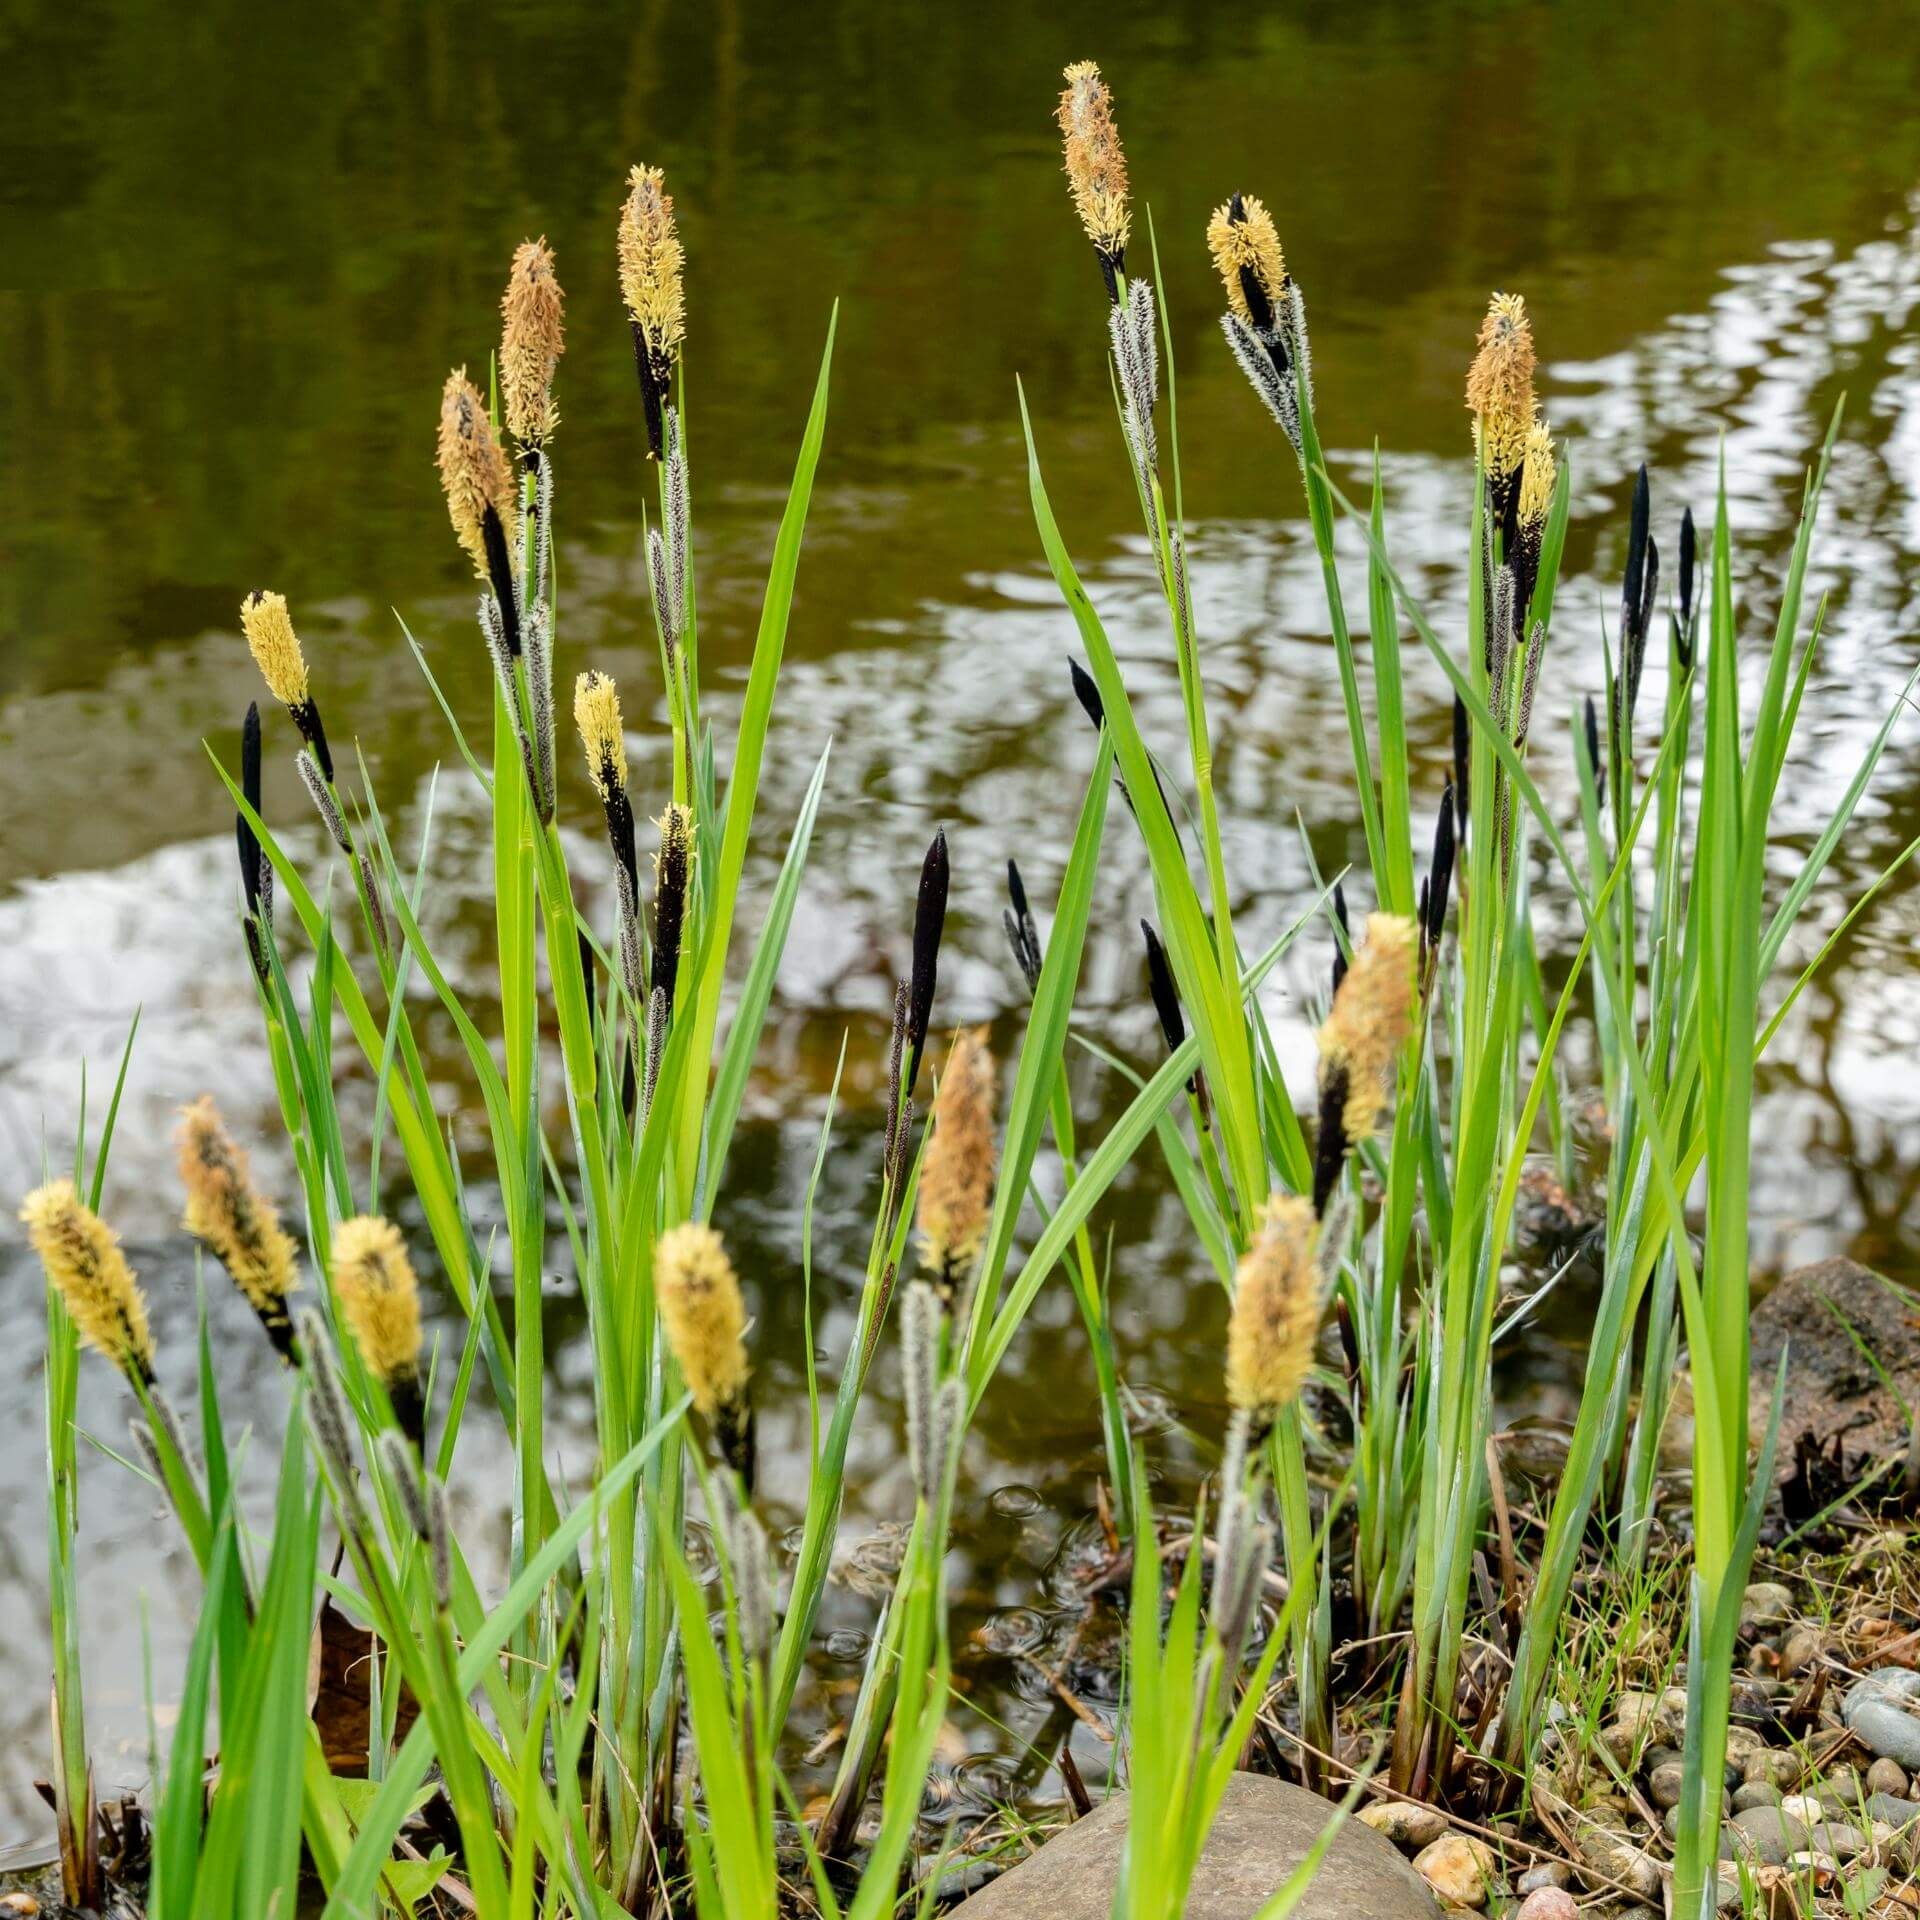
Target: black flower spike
[
  {"x": 929, "y": 922},
  {"x": 1635, "y": 606},
  {"x": 670, "y": 898},
  {"x": 1022, "y": 935},
  {"x": 1683, "y": 621},
  {"x": 500, "y": 574},
  {"x": 1462, "y": 760},
  {"x": 1166, "y": 997},
  {"x": 1441, "y": 873},
  {"x": 248, "y": 842},
  {"x": 1345, "y": 941},
  {"x": 1593, "y": 746},
  {"x": 1087, "y": 693},
  {"x": 1330, "y": 1150}
]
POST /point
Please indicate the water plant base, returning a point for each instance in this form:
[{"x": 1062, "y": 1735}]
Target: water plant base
[{"x": 1264, "y": 1831}]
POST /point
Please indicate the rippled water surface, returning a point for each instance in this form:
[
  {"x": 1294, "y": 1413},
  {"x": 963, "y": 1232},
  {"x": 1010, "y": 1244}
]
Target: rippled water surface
[{"x": 243, "y": 251}]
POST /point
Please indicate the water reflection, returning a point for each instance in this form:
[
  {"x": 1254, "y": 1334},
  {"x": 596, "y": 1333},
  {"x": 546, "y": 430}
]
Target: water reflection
[{"x": 227, "y": 347}]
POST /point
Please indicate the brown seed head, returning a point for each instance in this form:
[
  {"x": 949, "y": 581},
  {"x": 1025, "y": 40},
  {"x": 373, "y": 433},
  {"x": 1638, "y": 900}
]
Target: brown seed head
[
  {"x": 275, "y": 646},
  {"x": 1500, "y": 385},
  {"x": 1248, "y": 245},
  {"x": 596, "y": 712},
  {"x": 379, "y": 1296},
  {"x": 1277, "y": 1297},
  {"x": 956, "y": 1183},
  {"x": 1096, "y": 167},
  {"x": 532, "y": 338},
  {"x": 84, "y": 1265},
  {"x": 651, "y": 260},
  {"x": 238, "y": 1223},
  {"x": 699, "y": 1299},
  {"x": 1371, "y": 1018},
  {"x": 1536, "y": 476},
  {"x": 473, "y": 470}
]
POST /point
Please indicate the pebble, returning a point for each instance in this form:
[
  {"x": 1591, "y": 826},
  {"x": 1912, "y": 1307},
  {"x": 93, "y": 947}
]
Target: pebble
[
  {"x": 1548, "y": 1903},
  {"x": 1892, "y": 1810},
  {"x": 1458, "y": 1868},
  {"x": 1666, "y": 1783},
  {"x": 1804, "y": 1807},
  {"x": 1887, "y": 1776},
  {"x": 1878, "y": 1710},
  {"x": 1776, "y": 1766},
  {"x": 1548, "y": 1874},
  {"x": 1742, "y": 1741},
  {"x": 1800, "y": 1648},
  {"x": 1767, "y": 1835},
  {"x": 1755, "y": 1793},
  {"x": 1765, "y": 1604},
  {"x": 1408, "y": 1826},
  {"x": 1616, "y": 1858}
]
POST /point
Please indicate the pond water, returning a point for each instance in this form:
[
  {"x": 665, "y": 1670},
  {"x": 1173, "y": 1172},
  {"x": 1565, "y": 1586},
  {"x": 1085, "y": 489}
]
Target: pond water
[{"x": 244, "y": 250}]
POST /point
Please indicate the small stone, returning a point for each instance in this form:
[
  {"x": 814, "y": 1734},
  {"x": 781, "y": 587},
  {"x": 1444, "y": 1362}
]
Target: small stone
[
  {"x": 1841, "y": 1790},
  {"x": 1666, "y": 1783},
  {"x": 1887, "y": 1776},
  {"x": 1803, "y": 1807},
  {"x": 1765, "y": 1604},
  {"x": 1838, "y": 1842},
  {"x": 1800, "y": 1647},
  {"x": 1767, "y": 1835},
  {"x": 1742, "y": 1741},
  {"x": 1897, "y": 1813},
  {"x": 1776, "y": 1766},
  {"x": 1408, "y": 1825},
  {"x": 1548, "y": 1903},
  {"x": 1549, "y": 1873},
  {"x": 1755, "y": 1793},
  {"x": 1879, "y": 1710},
  {"x": 1458, "y": 1868},
  {"x": 1613, "y": 1857}
]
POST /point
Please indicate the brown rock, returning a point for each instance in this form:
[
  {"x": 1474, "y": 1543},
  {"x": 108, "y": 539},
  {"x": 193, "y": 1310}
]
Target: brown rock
[
  {"x": 1263, "y": 1832},
  {"x": 1827, "y": 1312}
]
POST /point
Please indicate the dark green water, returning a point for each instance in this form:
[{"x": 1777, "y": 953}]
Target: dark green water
[{"x": 243, "y": 246}]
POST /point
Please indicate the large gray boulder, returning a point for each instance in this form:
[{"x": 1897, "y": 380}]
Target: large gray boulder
[{"x": 1264, "y": 1831}]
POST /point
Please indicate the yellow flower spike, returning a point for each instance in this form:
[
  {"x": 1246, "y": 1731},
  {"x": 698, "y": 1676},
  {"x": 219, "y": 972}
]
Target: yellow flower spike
[{"x": 85, "y": 1266}]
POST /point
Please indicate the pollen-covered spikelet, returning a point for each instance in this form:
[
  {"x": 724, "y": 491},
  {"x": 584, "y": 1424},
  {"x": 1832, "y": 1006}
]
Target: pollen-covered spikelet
[
  {"x": 532, "y": 337},
  {"x": 1536, "y": 476},
  {"x": 1096, "y": 166},
  {"x": 275, "y": 646},
  {"x": 380, "y": 1302},
  {"x": 1277, "y": 1295},
  {"x": 1500, "y": 387},
  {"x": 1372, "y": 1014},
  {"x": 238, "y": 1223},
  {"x": 84, "y": 1265},
  {"x": 956, "y": 1183},
  {"x": 1246, "y": 253},
  {"x": 596, "y": 712},
  {"x": 651, "y": 259},
  {"x": 699, "y": 1299},
  {"x": 473, "y": 470}
]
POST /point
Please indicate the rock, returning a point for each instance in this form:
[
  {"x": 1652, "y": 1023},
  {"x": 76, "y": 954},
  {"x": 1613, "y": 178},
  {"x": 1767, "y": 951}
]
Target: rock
[
  {"x": 1614, "y": 1858},
  {"x": 1755, "y": 1793},
  {"x": 1409, "y": 1826},
  {"x": 1263, "y": 1832},
  {"x": 1803, "y": 1807},
  {"x": 1742, "y": 1741},
  {"x": 1800, "y": 1647},
  {"x": 1765, "y": 1604},
  {"x": 1548, "y": 1903},
  {"x": 1766, "y": 1835},
  {"x": 1774, "y": 1765},
  {"x": 1892, "y": 1810},
  {"x": 1879, "y": 1710},
  {"x": 1549, "y": 1873},
  {"x": 1666, "y": 1783},
  {"x": 1458, "y": 1868},
  {"x": 1840, "y": 1790},
  {"x": 1823, "y": 1315},
  {"x": 1888, "y": 1777}
]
